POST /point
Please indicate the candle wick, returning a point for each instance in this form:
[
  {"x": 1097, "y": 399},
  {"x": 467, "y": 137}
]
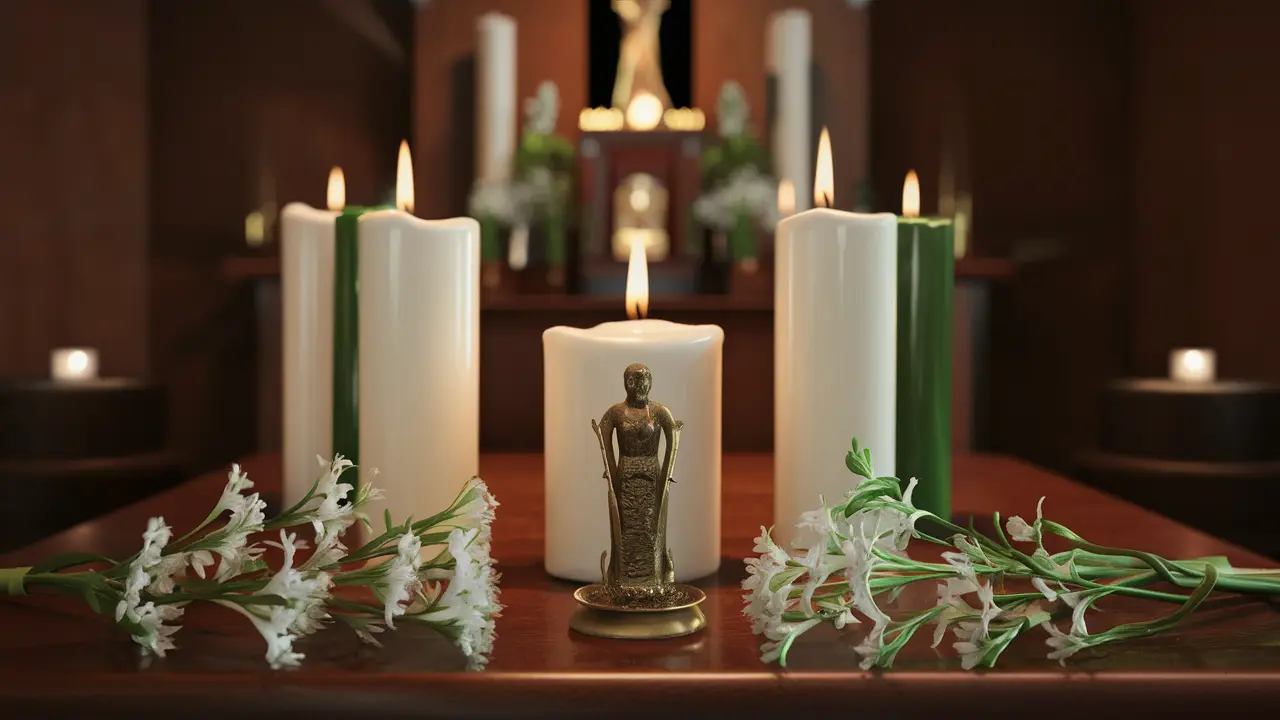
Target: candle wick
[{"x": 826, "y": 200}]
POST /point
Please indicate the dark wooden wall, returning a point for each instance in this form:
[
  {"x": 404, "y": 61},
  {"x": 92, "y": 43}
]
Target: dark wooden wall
[
  {"x": 251, "y": 103},
  {"x": 1121, "y": 151},
  {"x": 1032, "y": 101},
  {"x": 1205, "y": 152},
  {"x": 73, "y": 183}
]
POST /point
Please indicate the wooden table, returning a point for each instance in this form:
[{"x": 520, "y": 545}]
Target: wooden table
[{"x": 55, "y": 656}]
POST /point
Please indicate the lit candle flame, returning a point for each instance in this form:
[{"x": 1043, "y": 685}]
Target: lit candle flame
[
  {"x": 637, "y": 282},
  {"x": 786, "y": 198},
  {"x": 824, "y": 181},
  {"x": 911, "y": 195},
  {"x": 404, "y": 179},
  {"x": 336, "y": 195}
]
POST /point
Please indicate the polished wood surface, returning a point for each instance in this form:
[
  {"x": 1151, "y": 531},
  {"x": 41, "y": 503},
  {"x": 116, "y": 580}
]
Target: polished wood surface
[{"x": 55, "y": 654}]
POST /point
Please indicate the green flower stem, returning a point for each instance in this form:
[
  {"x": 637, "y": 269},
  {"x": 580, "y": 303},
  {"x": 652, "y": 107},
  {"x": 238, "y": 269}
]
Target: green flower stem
[{"x": 13, "y": 580}]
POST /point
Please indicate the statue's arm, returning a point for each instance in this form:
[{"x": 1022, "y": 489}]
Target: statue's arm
[{"x": 608, "y": 424}]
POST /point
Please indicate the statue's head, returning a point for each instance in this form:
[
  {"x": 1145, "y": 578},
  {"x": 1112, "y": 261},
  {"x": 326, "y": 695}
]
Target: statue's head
[{"x": 638, "y": 380}]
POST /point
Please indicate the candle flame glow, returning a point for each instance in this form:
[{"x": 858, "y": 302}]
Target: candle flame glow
[
  {"x": 637, "y": 296},
  {"x": 786, "y": 198},
  {"x": 824, "y": 181},
  {"x": 911, "y": 195},
  {"x": 404, "y": 179},
  {"x": 336, "y": 195}
]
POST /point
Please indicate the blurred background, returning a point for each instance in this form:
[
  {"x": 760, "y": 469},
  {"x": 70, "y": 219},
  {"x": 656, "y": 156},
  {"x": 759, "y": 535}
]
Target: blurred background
[{"x": 1113, "y": 160}]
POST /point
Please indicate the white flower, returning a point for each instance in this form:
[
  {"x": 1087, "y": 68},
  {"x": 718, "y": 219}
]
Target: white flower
[
  {"x": 871, "y": 647},
  {"x": 143, "y": 567},
  {"x": 1021, "y": 531},
  {"x": 745, "y": 191},
  {"x": 304, "y": 595},
  {"x": 232, "y": 493},
  {"x": 400, "y": 581},
  {"x": 990, "y": 611},
  {"x": 1064, "y": 645},
  {"x": 954, "y": 606},
  {"x": 765, "y": 605},
  {"x": 732, "y": 110},
  {"x": 498, "y": 200},
  {"x": 860, "y": 562},
  {"x": 542, "y": 109},
  {"x": 151, "y": 632},
  {"x": 470, "y": 601},
  {"x": 330, "y": 515},
  {"x": 233, "y": 540},
  {"x": 478, "y": 507},
  {"x": 962, "y": 565},
  {"x": 779, "y": 635}
]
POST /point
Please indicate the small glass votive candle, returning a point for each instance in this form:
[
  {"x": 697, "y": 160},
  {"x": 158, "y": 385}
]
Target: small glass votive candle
[
  {"x": 73, "y": 364},
  {"x": 1193, "y": 365}
]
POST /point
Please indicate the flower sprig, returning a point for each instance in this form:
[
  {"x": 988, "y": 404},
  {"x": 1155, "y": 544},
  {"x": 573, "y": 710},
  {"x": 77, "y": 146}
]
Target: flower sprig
[
  {"x": 454, "y": 592},
  {"x": 852, "y": 554}
]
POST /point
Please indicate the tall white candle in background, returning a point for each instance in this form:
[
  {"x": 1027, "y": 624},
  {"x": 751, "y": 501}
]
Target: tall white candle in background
[
  {"x": 583, "y": 378},
  {"x": 495, "y": 96},
  {"x": 790, "y": 44},
  {"x": 835, "y": 325},
  {"x": 419, "y": 356},
  {"x": 306, "y": 298}
]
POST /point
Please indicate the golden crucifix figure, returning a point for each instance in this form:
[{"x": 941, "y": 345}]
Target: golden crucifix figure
[{"x": 639, "y": 57}]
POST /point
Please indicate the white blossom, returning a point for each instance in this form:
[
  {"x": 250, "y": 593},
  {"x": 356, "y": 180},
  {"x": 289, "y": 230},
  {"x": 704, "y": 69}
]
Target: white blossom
[
  {"x": 151, "y": 631},
  {"x": 1021, "y": 531},
  {"x": 778, "y": 636},
  {"x": 470, "y": 601},
  {"x": 304, "y": 595},
  {"x": 542, "y": 110},
  {"x": 233, "y": 540},
  {"x": 747, "y": 191},
  {"x": 399, "y": 581},
  {"x": 764, "y": 604},
  {"x": 233, "y": 492},
  {"x": 732, "y": 110},
  {"x": 142, "y": 568},
  {"x": 330, "y": 516},
  {"x": 1064, "y": 645}
]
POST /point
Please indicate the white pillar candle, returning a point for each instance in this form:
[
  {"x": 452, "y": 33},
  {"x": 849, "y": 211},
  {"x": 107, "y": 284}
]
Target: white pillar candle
[
  {"x": 790, "y": 42},
  {"x": 73, "y": 364},
  {"x": 583, "y": 378},
  {"x": 1193, "y": 365},
  {"x": 419, "y": 359},
  {"x": 835, "y": 331},
  {"x": 495, "y": 96},
  {"x": 306, "y": 298}
]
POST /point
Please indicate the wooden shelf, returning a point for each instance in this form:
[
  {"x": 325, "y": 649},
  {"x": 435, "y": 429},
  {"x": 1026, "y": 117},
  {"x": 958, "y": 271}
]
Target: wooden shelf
[{"x": 252, "y": 267}]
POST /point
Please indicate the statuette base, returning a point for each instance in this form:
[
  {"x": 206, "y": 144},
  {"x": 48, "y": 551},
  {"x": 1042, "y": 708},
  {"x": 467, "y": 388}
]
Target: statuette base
[{"x": 674, "y": 614}]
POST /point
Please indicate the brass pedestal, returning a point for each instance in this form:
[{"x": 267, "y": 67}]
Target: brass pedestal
[{"x": 599, "y": 616}]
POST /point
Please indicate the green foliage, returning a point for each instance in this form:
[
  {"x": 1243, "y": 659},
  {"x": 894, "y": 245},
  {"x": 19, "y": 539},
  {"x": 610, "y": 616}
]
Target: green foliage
[{"x": 735, "y": 153}]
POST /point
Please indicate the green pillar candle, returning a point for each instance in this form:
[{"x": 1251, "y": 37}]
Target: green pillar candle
[
  {"x": 346, "y": 333},
  {"x": 926, "y": 276}
]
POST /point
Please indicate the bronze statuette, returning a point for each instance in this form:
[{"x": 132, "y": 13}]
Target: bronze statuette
[{"x": 638, "y": 596}]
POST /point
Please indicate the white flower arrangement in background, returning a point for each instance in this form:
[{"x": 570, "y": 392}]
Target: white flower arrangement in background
[
  {"x": 732, "y": 110},
  {"x": 543, "y": 109},
  {"x": 852, "y": 554},
  {"x": 454, "y": 592},
  {"x": 746, "y": 192}
]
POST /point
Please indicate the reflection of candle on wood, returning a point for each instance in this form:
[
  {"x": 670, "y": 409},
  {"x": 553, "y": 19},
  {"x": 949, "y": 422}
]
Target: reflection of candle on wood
[
  {"x": 583, "y": 374},
  {"x": 1193, "y": 365},
  {"x": 926, "y": 271},
  {"x": 73, "y": 364},
  {"x": 419, "y": 339},
  {"x": 834, "y": 332},
  {"x": 306, "y": 297}
]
